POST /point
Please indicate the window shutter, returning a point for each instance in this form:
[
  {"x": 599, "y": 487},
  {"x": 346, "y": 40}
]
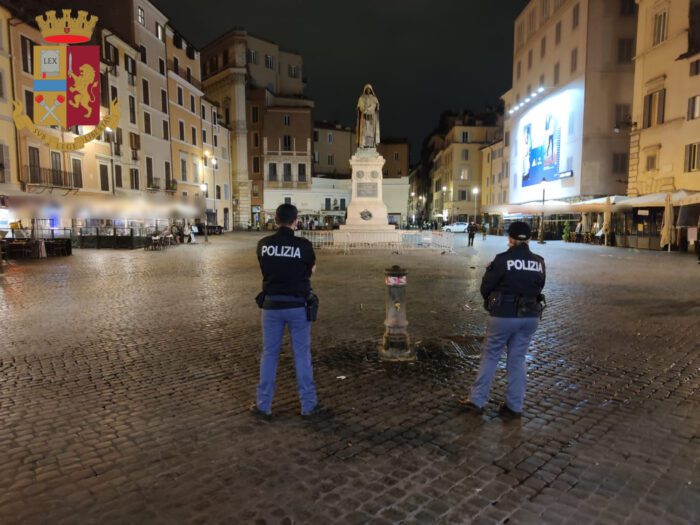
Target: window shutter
[
  {"x": 689, "y": 116},
  {"x": 135, "y": 141},
  {"x": 662, "y": 107},
  {"x": 686, "y": 163},
  {"x": 647, "y": 111},
  {"x": 104, "y": 90}
]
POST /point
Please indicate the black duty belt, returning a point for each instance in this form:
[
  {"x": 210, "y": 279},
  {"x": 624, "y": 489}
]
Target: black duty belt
[{"x": 280, "y": 302}]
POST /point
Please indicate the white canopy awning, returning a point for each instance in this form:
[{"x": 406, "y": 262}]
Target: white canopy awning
[{"x": 598, "y": 205}]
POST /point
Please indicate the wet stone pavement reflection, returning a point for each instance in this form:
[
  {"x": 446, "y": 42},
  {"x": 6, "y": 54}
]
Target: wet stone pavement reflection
[{"x": 125, "y": 379}]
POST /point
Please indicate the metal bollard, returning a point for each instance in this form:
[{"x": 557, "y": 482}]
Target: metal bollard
[{"x": 396, "y": 344}]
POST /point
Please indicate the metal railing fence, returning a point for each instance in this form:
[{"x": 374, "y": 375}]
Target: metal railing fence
[{"x": 399, "y": 240}]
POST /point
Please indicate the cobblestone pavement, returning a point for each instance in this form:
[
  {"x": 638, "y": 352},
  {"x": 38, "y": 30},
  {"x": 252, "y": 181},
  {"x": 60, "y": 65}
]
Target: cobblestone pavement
[{"x": 125, "y": 379}]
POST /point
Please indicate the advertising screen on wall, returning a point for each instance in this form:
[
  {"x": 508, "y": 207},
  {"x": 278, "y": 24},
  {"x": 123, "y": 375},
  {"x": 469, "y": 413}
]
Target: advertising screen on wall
[{"x": 546, "y": 147}]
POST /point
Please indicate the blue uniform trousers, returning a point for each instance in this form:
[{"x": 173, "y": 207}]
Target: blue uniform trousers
[
  {"x": 515, "y": 333},
  {"x": 273, "y": 324}
]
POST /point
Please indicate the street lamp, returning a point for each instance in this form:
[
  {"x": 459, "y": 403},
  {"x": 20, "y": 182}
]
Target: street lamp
[
  {"x": 444, "y": 203},
  {"x": 203, "y": 187},
  {"x": 475, "y": 192},
  {"x": 213, "y": 174}
]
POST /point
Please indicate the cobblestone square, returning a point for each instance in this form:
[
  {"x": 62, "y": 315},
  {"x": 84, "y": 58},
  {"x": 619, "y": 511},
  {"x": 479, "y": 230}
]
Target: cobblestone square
[{"x": 126, "y": 377}]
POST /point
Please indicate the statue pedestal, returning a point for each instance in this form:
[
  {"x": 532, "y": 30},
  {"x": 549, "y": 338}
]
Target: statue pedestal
[{"x": 367, "y": 211}]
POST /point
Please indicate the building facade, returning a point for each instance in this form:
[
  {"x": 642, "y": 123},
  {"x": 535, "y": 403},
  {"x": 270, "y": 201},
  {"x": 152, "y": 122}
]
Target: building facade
[
  {"x": 224, "y": 73},
  {"x": 83, "y": 176},
  {"x": 217, "y": 166},
  {"x": 665, "y": 117},
  {"x": 148, "y": 111},
  {"x": 572, "y": 91},
  {"x": 9, "y": 172},
  {"x": 396, "y": 153},
  {"x": 494, "y": 179},
  {"x": 333, "y": 145},
  {"x": 155, "y": 159},
  {"x": 185, "y": 101},
  {"x": 456, "y": 173},
  {"x": 260, "y": 88}
]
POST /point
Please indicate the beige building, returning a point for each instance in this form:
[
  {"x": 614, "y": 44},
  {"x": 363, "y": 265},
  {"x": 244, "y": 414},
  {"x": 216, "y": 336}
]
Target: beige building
[
  {"x": 185, "y": 95},
  {"x": 256, "y": 83},
  {"x": 456, "y": 172},
  {"x": 217, "y": 166},
  {"x": 224, "y": 72},
  {"x": 287, "y": 146},
  {"x": 9, "y": 169},
  {"x": 148, "y": 111},
  {"x": 127, "y": 176},
  {"x": 572, "y": 88},
  {"x": 665, "y": 117},
  {"x": 333, "y": 145},
  {"x": 494, "y": 179},
  {"x": 82, "y": 176},
  {"x": 396, "y": 153}
]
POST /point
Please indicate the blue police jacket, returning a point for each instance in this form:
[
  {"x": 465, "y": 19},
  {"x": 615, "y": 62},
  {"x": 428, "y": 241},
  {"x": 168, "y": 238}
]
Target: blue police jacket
[
  {"x": 286, "y": 262},
  {"x": 516, "y": 273}
]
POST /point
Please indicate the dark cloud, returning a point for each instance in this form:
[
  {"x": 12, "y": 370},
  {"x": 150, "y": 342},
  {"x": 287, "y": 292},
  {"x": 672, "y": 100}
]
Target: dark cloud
[{"x": 422, "y": 57}]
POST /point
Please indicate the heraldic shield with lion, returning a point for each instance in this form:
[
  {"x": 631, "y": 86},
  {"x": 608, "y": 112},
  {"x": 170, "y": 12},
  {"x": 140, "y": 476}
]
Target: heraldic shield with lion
[{"x": 66, "y": 78}]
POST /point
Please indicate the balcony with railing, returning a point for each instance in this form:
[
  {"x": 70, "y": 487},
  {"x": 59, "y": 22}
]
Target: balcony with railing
[
  {"x": 153, "y": 183},
  {"x": 170, "y": 185},
  {"x": 51, "y": 178},
  {"x": 282, "y": 148}
]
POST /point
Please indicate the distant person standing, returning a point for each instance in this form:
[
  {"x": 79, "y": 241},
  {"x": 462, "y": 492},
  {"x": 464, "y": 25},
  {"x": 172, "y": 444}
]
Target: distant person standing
[
  {"x": 484, "y": 231},
  {"x": 286, "y": 262},
  {"x": 512, "y": 292},
  {"x": 471, "y": 232}
]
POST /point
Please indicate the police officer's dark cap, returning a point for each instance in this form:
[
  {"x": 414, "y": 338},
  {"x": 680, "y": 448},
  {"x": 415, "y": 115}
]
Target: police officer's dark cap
[
  {"x": 520, "y": 231},
  {"x": 286, "y": 214}
]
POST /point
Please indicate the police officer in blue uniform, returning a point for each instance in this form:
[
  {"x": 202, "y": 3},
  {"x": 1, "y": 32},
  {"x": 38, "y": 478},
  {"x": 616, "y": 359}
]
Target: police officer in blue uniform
[
  {"x": 512, "y": 292},
  {"x": 286, "y": 262}
]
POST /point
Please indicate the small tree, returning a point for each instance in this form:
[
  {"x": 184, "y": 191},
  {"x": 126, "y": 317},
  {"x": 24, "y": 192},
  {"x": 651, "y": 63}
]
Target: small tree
[{"x": 566, "y": 235}]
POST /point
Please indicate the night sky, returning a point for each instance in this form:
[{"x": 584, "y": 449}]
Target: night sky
[{"x": 421, "y": 56}]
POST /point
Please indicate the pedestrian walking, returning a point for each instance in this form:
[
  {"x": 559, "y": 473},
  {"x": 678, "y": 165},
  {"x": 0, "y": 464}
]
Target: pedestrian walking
[
  {"x": 512, "y": 292},
  {"x": 286, "y": 263},
  {"x": 187, "y": 233},
  {"x": 193, "y": 231},
  {"x": 471, "y": 232},
  {"x": 484, "y": 231}
]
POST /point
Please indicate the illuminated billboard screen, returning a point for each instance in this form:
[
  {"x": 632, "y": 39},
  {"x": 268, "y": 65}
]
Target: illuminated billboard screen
[
  {"x": 546, "y": 149},
  {"x": 541, "y": 149}
]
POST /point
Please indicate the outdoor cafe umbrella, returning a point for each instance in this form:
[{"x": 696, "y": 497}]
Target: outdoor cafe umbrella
[
  {"x": 607, "y": 219},
  {"x": 667, "y": 226}
]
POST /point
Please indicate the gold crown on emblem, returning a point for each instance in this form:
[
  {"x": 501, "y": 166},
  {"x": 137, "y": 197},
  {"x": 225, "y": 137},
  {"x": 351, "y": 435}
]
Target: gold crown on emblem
[{"x": 66, "y": 29}]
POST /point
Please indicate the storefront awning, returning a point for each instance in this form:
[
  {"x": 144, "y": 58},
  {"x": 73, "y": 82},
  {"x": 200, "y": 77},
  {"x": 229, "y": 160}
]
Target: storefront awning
[{"x": 598, "y": 205}]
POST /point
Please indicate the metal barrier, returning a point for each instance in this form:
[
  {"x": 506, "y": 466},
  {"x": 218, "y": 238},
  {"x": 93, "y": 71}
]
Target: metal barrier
[
  {"x": 399, "y": 240},
  {"x": 318, "y": 238}
]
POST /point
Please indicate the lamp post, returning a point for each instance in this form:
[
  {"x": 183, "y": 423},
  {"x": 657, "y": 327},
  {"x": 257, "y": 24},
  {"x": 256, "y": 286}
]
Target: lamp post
[
  {"x": 213, "y": 174},
  {"x": 475, "y": 192},
  {"x": 444, "y": 199},
  {"x": 540, "y": 237},
  {"x": 203, "y": 187}
]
